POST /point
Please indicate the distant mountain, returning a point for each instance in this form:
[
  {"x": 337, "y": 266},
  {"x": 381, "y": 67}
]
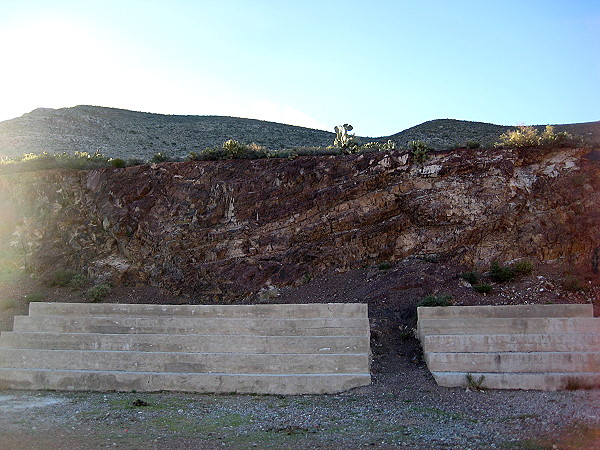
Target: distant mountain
[
  {"x": 128, "y": 134},
  {"x": 448, "y": 133}
]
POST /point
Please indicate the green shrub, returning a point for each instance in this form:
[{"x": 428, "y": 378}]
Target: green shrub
[
  {"x": 528, "y": 136},
  {"x": 135, "y": 162},
  {"x": 230, "y": 149},
  {"x": 482, "y": 288},
  {"x": 473, "y": 145},
  {"x": 549, "y": 138},
  {"x": 474, "y": 384},
  {"x": 64, "y": 278},
  {"x": 436, "y": 300},
  {"x": 419, "y": 150},
  {"x": 470, "y": 277},
  {"x": 377, "y": 147},
  {"x": 98, "y": 293},
  {"x": 78, "y": 281},
  {"x": 118, "y": 163},
  {"x": 523, "y": 267},
  {"x": 268, "y": 293},
  {"x": 44, "y": 161},
  {"x": 160, "y": 158},
  {"x": 386, "y": 265},
  {"x": 500, "y": 273}
]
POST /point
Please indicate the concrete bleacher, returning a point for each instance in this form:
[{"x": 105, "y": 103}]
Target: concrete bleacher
[
  {"x": 277, "y": 349},
  {"x": 545, "y": 347}
]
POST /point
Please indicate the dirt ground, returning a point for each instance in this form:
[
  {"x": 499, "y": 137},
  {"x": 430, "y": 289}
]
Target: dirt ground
[{"x": 403, "y": 408}]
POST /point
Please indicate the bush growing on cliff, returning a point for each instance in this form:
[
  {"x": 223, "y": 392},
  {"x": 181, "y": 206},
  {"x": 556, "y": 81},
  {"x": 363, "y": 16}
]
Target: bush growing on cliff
[
  {"x": 45, "y": 161},
  {"x": 528, "y": 136},
  {"x": 377, "y": 147},
  {"x": 231, "y": 149},
  {"x": 118, "y": 163},
  {"x": 419, "y": 150},
  {"x": 160, "y": 158}
]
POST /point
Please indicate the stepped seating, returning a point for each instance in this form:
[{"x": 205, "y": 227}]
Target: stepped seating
[
  {"x": 276, "y": 349},
  {"x": 544, "y": 347}
]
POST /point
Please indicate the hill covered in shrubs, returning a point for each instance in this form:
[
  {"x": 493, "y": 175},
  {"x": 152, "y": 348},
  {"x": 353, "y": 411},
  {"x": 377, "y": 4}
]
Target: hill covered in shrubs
[{"x": 140, "y": 137}]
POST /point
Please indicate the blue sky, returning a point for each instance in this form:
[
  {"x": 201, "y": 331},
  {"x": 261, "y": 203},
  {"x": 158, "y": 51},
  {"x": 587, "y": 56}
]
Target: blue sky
[{"x": 382, "y": 66}]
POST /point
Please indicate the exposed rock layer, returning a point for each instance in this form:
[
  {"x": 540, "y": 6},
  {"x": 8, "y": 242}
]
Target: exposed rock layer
[{"x": 228, "y": 228}]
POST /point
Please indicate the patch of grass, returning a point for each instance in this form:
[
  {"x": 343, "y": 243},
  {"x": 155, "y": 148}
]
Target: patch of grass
[
  {"x": 210, "y": 423},
  {"x": 8, "y": 303},
  {"x": 34, "y": 297},
  {"x": 436, "y": 300},
  {"x": 440, "y": 413}
]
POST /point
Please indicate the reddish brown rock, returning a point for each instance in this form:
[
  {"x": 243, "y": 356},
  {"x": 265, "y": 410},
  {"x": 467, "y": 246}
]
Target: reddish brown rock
[{"x": 228, "y": 228}]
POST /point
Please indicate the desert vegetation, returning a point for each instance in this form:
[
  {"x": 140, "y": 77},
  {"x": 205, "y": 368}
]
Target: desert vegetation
[{"x": 528, "y": 136}]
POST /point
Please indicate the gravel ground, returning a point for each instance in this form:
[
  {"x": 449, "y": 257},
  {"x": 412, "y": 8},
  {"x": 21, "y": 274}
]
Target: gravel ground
[{"x": 405, "y": 410}]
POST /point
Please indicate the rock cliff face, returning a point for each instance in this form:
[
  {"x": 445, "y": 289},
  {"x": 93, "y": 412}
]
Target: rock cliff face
[{"x": 226, "y": 229}]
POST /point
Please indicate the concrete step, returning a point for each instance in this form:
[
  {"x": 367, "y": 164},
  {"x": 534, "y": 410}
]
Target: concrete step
[
  {"x": 182, "y": 362},
  {"x": 285, "y": 349},
  {"x": 514, "y": 362},
  {"x": 292, "y": 311},
  {"x": 506, "y": 311},
  {"x": 513, "y": 380},
  {"x": 184, "y": 325},
  {"x": 508, "y": 326},
  {"x": 483, "y": 343},
  {"x": 185, "y": 343},
  {"x": 289, "y": 384}
]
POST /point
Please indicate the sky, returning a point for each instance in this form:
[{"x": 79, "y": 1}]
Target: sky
[{"x": 380, "y": 65}]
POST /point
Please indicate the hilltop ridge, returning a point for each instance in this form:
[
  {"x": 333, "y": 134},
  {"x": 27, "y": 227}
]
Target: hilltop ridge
[{"x": 121, "y": 133}]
